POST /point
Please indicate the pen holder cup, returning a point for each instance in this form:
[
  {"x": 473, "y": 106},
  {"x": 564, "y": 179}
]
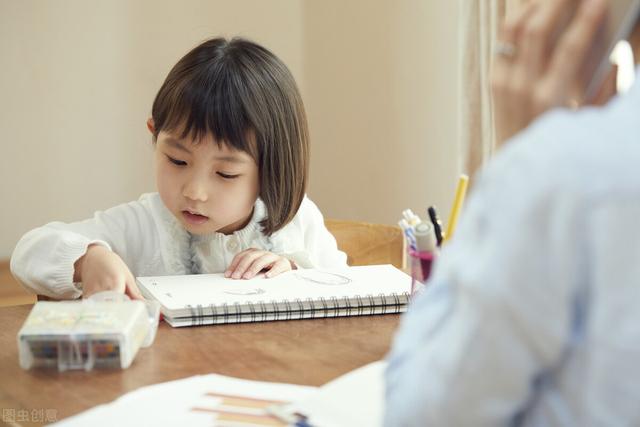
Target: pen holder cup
[{"x": 421, "y": 263}]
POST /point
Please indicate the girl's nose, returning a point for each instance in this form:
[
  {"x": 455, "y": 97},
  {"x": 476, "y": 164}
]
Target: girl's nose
[{"x": 195, "y": 189}]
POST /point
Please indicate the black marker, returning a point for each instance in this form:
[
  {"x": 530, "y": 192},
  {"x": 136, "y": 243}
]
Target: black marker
[{"x": 437, "y": 226}]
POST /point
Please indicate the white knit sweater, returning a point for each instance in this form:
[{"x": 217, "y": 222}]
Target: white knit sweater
[{"x": 152, "y": 242}]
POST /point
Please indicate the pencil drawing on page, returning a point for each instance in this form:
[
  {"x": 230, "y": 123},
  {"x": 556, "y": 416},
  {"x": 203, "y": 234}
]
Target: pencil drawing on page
[
  {"x": 323, "y": 277},
  {"x": 252, "y": 291}
]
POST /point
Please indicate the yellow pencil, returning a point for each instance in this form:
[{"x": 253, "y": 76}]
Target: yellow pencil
[{"x": 463, "y": 181}]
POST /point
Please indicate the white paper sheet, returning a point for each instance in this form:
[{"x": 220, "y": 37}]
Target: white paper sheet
[
  {"x": 194, "y": 401},
  {"x": 354, "y": 399}
]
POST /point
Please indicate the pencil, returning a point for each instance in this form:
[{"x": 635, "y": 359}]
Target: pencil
[{"x": 461, "y": 190}]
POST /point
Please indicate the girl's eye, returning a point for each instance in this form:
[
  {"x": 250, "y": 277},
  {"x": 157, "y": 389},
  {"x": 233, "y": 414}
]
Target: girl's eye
[
  {"x": 176, "y": 161},
  {"x": 227, "y": 176}
]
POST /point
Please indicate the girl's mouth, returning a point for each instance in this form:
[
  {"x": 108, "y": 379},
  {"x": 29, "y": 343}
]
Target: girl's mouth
[{"x": 194, "y": 218}]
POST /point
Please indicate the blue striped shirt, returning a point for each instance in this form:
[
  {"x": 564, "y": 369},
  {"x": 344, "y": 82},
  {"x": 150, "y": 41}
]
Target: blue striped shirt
[{"x": 532, "y": 315}]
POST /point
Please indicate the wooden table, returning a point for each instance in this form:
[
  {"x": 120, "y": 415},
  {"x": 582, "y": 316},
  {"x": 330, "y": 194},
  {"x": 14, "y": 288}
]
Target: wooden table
[{"x": 309, "y": 352}]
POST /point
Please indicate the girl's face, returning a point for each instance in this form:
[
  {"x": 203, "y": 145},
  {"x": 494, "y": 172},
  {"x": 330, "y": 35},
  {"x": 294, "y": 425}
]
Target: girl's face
[{"x": 207, "y": 187}]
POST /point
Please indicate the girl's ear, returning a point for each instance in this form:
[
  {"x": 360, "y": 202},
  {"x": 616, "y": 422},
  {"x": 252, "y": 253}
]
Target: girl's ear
[{"x": 151, "y": 126}]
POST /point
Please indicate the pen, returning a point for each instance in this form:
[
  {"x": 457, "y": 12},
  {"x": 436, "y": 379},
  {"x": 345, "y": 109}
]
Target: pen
[
  {"x": 437, "y": 226},
  {"x": 411, "y": 218},
  {"x": 408, "y": 232},
  {"x": 461, "y": 190},
  {"x": 283, "y": 414}
]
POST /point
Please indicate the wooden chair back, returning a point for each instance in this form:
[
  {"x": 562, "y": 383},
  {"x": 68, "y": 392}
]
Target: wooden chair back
[{"x": 367, "y": 244}]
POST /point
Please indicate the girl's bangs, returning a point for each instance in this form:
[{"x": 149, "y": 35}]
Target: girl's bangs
[{"x": 196, "y": 110}]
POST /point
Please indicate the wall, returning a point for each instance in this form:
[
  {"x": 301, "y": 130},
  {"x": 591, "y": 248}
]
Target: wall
[
  {"x": 381, "y": 89},
  {"x": 78, "y": 79}
]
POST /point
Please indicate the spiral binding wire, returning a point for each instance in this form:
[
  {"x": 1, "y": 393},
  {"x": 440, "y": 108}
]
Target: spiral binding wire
[{"x": 262, "y": 311}]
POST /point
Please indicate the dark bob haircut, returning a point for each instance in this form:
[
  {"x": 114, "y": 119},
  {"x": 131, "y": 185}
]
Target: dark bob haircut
[{"x": 245, "y": 97}]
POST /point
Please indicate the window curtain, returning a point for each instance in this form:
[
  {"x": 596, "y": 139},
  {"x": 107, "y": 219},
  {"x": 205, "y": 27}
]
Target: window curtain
[{"x": 480, "y": 22}]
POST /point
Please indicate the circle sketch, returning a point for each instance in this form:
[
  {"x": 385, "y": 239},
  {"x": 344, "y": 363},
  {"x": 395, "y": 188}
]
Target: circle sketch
[
  {"x": 324, "y": 278},
  {"x": 252, "y": 291}
]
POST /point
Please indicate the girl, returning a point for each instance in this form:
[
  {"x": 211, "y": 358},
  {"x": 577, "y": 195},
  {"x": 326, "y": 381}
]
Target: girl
[{"x": 231, "y": 164}]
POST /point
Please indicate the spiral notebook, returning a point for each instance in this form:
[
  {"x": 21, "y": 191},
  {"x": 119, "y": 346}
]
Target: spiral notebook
[{"x": 209, "y": 299}]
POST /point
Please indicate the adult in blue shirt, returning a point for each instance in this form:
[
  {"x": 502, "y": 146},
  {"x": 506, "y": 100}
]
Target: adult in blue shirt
[{"x": 532, "y": 314}]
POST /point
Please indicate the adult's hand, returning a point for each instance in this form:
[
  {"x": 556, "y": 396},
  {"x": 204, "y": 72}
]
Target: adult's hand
[{"x": 539, "y": 61}]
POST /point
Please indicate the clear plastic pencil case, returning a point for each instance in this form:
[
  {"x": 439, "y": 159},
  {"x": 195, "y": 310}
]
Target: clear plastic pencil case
[{"x": 104, "y": 331}]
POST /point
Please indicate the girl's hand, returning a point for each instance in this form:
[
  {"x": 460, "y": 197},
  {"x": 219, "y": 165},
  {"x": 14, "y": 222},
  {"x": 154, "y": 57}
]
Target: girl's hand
[
  {"x": 102, "y": 270},
  {"x": 247, "y": 264},
  {"x": 540, "y": 60}
]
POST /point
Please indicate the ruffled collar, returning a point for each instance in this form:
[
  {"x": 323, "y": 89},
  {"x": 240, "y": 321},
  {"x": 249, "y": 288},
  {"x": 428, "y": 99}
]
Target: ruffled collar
[
  {"x": 188, "y": 253},
  {"x": 253, "y": 227}
]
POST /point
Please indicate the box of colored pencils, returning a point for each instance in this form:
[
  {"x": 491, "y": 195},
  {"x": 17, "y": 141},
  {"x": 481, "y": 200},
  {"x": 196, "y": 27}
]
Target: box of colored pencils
[{"x": 84, "y": 334}]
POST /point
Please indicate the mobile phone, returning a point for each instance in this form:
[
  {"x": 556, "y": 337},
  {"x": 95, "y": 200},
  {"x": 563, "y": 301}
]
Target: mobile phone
[{"x": 618, "y": 25}]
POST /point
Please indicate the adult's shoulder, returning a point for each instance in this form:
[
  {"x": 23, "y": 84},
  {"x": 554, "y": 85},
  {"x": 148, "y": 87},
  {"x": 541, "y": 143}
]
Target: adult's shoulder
[{"x": 570, "y": 154}]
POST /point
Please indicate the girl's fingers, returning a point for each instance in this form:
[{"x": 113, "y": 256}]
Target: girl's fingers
[
  {"x": 236, "y": 261},
  {"x": 249, "y": 263},
  {"x": 112, "y": 283},
  {"x": 245, "y": 262},
  {"x": 133, "y": 293},
  {"x": 131, "y": 288},
  {"x": 279, "y": 267},
  {"x": 266, "y": 260}
]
